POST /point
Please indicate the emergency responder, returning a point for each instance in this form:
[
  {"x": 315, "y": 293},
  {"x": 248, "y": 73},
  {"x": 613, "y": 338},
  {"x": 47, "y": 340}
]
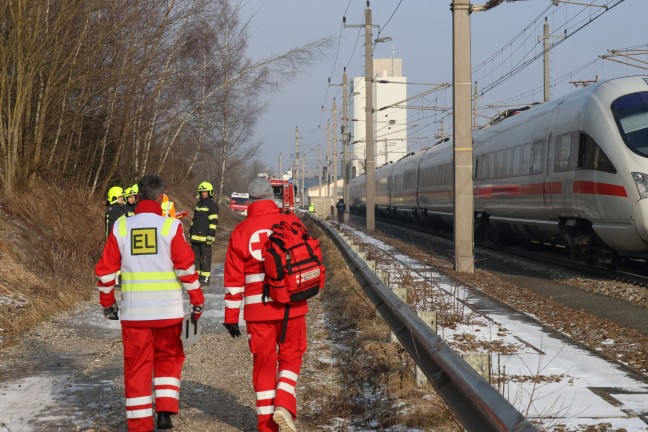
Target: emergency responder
[
  {"x": 276, "y": 364},
  {"x": 131, "y": 200},
  {"x": 168, "y": 208},
  {"x": 156, "y": 263},
  {"x": 341, "y": 208},
  {"x": 311, "y": 207},
  {"x": 114, "y": 207},
  {"x": 203, "y": 230}
]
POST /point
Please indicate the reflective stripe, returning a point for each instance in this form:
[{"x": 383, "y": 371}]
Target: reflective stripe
[
  {"x": 256, "y": 299},
  {"x": 233, "y": 304},
  {"x": 198, "y": 238},
  {"x": 169, "y": 393},
  {"x": 142, "y": 400},
  {"x": 288, "y": 374},
  {"x": 166, "y": 226},
  {"x": 191, "y": 286},
  {"x": 105, "y": 290},
  {"x": 191, "y": 270},
  {"x": 166, "y": 381},
  {"x": 286, "y": 387},
  {"x": 205, "y": 273},
  {"x": 108, "y": 277},
  {"x": 256, "y": 277},
  {"x": 121, "y": 224},
  {"x": 141, "y": 413},
  {"x": 263, "y": 395},
  {"x": 213, "y": 216},
  {"x": 234, "y": 290},
  {"x": 212, "y": 226},
  {"x": 149, "y": 276},
  {"x": 202, "y": 209},
  {"x": 151, "y": 286},
  {"x": 265, "y": 410}
]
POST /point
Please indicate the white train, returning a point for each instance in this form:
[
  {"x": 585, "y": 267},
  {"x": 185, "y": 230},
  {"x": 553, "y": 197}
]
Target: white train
[{"x": 573, "y": 171}]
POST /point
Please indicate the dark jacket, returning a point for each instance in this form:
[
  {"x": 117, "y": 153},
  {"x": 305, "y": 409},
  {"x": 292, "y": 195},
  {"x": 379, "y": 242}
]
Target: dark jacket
[
  {"x": 129, "y": 210},
  {"x": 113, "y": 212},
  {"x": 205, "y": 219},
  {"x": 341, "y": 207}
]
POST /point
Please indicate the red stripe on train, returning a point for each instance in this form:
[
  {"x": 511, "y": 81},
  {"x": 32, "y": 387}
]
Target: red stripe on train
[{"x": 596, "y": 188}]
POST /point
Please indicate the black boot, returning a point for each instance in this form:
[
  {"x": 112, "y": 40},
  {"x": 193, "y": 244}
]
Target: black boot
[{"x": 164, "y": 420}]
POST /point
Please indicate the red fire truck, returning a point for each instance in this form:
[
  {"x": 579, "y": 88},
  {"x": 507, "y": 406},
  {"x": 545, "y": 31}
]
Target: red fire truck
[
  {"x": 239, "y": 202},
  {"x": 284, "y": 192}
]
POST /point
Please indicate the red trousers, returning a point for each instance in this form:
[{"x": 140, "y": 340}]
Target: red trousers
[
  {"x": 276, "y": 366},
  {"x": 156, "y": 353}
]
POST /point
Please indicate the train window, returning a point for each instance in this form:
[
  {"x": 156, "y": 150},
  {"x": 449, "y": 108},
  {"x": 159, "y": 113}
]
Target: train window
[
  {"x": 562, "y": 152},
  {"x": 536, "y": 158},
  {"x": 631, "y": 114},
  {"x": 526, "y": 159},
  {"x": 517, "y": 151},
  {"x": 591, "y": 157}
]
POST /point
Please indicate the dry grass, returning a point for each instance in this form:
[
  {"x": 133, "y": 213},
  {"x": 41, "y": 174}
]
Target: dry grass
[
  {"x": 376, "y": 385},
  {"x": 49, "y": 242}
]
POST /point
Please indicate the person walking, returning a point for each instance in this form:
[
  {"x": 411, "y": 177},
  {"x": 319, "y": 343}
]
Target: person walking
[
  {"x": 341, "y": 208},
  {"x": 156, "y": 263},
  {"x": 114, "y": 207},
  {"x": 276, "y": 364},
  {"x": 203, "y": 230}
]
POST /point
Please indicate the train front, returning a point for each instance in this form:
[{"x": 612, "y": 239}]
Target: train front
[{"x": 621, "y": 120}]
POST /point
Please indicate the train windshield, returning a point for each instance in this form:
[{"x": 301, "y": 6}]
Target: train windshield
[{"x": 631, "y": 114}]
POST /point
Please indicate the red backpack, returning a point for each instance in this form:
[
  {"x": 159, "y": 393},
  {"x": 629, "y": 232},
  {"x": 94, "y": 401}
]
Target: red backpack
[{"x": 293, "y": 264}]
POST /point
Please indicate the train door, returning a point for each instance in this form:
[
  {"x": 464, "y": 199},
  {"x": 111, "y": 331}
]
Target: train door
[{"x": 548, "y": 177}]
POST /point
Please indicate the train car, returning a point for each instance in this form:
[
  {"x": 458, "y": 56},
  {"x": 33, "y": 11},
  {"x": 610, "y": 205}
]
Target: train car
[{"x": 572, "y": 172}]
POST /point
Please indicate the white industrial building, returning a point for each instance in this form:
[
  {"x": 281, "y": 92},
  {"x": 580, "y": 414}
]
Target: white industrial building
[{"x": 390, "y": 122}]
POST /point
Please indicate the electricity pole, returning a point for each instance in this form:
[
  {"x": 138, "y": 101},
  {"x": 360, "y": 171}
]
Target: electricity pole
[
  {"x": 370, "y": 163},
  {"x": 295, "y": 173},
  {"x": 280, "y": 169},
  {"x": 462, "y": 146},
  {"x": 334, "y": 151},
  {"x": 545, "y": 46},
  {"x": 328, "y": 158},
  {"x": 345, "y": 142}
]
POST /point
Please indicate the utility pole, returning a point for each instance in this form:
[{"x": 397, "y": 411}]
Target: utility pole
[
  {"x": 462, "y": 146},
  {"x": 319, "y": 160},
  {"x": 280, "y": 168},
  {"x": 475, "y": 109},
  {"x": 295, "y": 175},
  {"x": 545, "y": 46},
  {"x": 370, "y": 163},
  {"x": 335, "y": 148},
  {"x": 345, "y": 142},
  {"x": 303, "y": 189},
  {"x": 328, "y": 158}
]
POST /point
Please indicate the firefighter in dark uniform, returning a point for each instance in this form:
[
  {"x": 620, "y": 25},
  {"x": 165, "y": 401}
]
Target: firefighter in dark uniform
[
  {"x": 341, "y": 208},
  {"x": 131, "y": 200},
  {"x": 203, "y": 230},
  {"x": 115, "y": 207}
]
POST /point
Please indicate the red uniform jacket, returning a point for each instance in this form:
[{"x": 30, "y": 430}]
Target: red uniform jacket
[
  {"x": 244, "y": 272},
  {"x": 183, "y": 263}
]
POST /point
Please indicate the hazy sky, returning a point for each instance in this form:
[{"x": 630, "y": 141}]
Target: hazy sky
[{"x": 505, "y": 38}]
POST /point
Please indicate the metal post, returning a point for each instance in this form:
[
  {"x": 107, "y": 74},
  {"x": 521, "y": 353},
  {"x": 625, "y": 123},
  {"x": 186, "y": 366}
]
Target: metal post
[
  {"x": 475, "y": 109},
  {"x": 295, "y": 173},
  {"x": 280, "y": 168},
  {"x": 328, "y": 158},
  {"x": 335, "y": 197},
  {"x": 319, "y": 177},
  {"x": 462, "y": 156},
  {"x": 370, "y": 163},
  {"x": 303, "y": 189},
  {"x": 345, "y": 142},
  {"x": 545, "y": 46}
]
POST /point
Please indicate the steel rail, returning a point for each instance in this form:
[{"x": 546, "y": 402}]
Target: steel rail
[{"x": 474, "y": 402}]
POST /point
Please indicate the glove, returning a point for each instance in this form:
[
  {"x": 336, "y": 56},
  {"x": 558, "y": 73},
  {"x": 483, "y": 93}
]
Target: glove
[
  {"x": 233, "y": 329},
  {"x": 111, "y": 312},
  {"x": 196, "y": 313}
]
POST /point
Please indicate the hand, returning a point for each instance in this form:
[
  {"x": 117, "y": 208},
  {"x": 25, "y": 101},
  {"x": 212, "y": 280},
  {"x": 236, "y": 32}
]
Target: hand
[
  {"x": 111, "y": 312},
  {"x": 196, "y": 313},
  {"x": 209, "y": 241},
  {"x": 233, "y": 329}
]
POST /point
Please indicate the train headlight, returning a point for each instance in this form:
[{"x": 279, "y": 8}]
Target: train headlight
[{"x": 641, "y": 180}]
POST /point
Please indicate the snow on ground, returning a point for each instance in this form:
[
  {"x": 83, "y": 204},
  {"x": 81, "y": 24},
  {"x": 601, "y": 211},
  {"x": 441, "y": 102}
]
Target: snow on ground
[{"x": 545, "y": 376}]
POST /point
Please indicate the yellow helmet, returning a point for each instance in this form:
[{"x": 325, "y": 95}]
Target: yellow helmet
[
  {"x": 114, "y": 193},
  {"x": 206, "y": 187},
  {"x": 133, "y": 190}
]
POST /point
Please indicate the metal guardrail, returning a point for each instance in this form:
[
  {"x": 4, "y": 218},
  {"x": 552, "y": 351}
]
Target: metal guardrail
[{"x": 475, "y": 403}]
